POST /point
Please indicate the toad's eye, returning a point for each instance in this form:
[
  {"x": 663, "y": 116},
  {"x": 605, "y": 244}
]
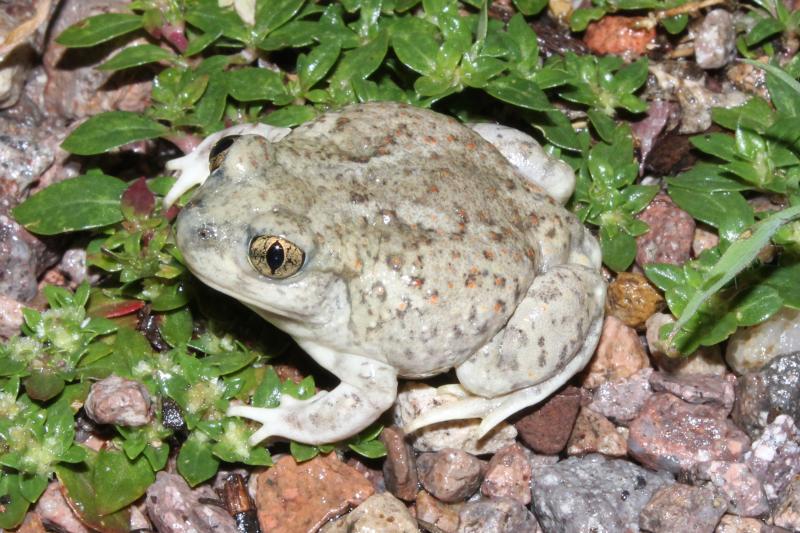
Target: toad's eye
[
  {"x": 217, "y": 154},
  {"x": 274, "y": 256}
]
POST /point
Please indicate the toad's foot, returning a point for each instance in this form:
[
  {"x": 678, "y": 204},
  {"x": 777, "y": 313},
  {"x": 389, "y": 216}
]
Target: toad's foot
[
  {"x": 492, "y": 411},
  {"x": 367, "y": 389},
  {"x": 192, "y": 168}
]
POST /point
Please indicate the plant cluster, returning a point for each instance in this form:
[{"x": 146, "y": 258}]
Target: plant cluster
[{"x": 284, "y": 63}]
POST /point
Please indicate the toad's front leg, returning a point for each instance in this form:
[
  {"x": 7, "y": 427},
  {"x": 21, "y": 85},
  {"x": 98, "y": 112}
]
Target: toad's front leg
[{"x": 367, "y": 389}]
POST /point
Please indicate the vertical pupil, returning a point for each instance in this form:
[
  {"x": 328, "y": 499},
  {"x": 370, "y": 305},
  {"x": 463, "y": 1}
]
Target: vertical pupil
[{"x": 275, "y": 256}]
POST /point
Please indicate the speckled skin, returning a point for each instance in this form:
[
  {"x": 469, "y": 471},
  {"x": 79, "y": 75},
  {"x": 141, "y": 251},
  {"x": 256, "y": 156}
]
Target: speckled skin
[{"x": 425, "y": 250}]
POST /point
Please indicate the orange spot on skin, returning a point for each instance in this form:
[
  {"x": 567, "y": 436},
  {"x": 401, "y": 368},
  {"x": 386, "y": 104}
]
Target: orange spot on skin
[
  {"x": 430, "y": 140},
  {"x": 449, "y": 284},
  {"x": 358, "y": 264},
  {"x": 471, "y": 145},
  {"x": 471, "y": 284},
  {"x": 498, "y": 307},
  {"x": 434, "y": 299},
  {"x": 402, "y": 307},
  {"x": 451, "y": 138},
  {"x": 433, "y": 188}
]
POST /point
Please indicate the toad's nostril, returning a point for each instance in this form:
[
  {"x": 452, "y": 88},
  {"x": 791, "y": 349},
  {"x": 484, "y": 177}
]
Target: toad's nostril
[{"x": 207, "y": 231}]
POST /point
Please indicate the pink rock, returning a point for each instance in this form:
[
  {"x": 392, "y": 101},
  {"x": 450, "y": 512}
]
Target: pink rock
[
  {"x": 621, "y": 400},
  {"x": 432, "y": 512},
  {"x": 710, "y": 389},
  {"x": 741, "y": 488},
  {"x": 175, "y": 508},
  {"x": 670, "y": 434},
  {"x": 294, "y": 497},
  {"x": 671, "y": 233},
  {"x": 56, "y": 513},
  {"x": 450, "y": 475},
  {"x": 619, "y": 354},
  {"x": 775, "y": 457},
  {"x": 788, "y": 512},
  {"x": 508, "y": 475},
  {"x": 594, "y": 433},
  {"x": 10, "y": 317}
]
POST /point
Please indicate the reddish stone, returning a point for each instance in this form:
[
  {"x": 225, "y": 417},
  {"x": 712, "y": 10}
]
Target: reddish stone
[
  {"x": 294, "y": 497},
  {"x": 619, "y": 354},
  {"x": 742, "y": 489},
  {"x": 450, "y": 475},
  {"x": 710, "y": 389},
  {"x": 671, "y": 233},
  {"x": 508, "y": 475},
  {"x": 594, "y": 433},
  {"x": 400, "y": 468},
  {"x": 621, "y": 400},
  {"x": 432, "y": 512},
  {"x": 619, "y": 35},
  {"x": 682, "y": 508},
  {"x": 547, "y": 428},
  {"x": 670, "y": 434}
]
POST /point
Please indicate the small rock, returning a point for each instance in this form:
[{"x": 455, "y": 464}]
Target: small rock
[
  {"x": 742, "y": 490},
  {"x": 119, "y": 401},
  {"x": 373, "y": 475},
  {"x": 593, "y": 433},
  {"x": 775, "y": 457},
  {"x": 619, "y": 354},
  {"x": 618, "y": 35},
  {"x": 787, "y": 513},
  {"x": 31, "y": 524},
  {"x": 399, "y": 468},
  {"x": 632, "y": 299},
  {"x": 432, "y": 512},
  {"x": 704, "y": 239},
  {"x": 682, "y": 508},
  {"x": 748, "y": 78},
  {"x": 647, "y": 130},
  {"x": 670, "y": 434},
  {"x": 751, "y": 348},
  {"x": 737, "y": 524},
  {"x": 708, "y": 389},
  {"x": 671, "y": 154},
  {"x": 503, "y": 515},
  {"x": 593, "y": 493},
  {"x": 300, "y": 497},
  {"x": 56, "y": 513},
  {"x": 772, "y": 391},
  {"x": 175, "y": 508},
  {"x": 622, "y": 400},
  {"x": 450, "y": 475},
  {"x": 508, "y": 475},
  {"x": 706, "y": 360},
  {"x": 669, "y": 239},
  {"x": 548, "y": 426},
  {"x": 415, "y": 398},
  {"x": 10, "y": 317},
  {"x": 379, "y": 512},
  {"x": 23, "y": 258},
  {"x": 715, "y": 41}
]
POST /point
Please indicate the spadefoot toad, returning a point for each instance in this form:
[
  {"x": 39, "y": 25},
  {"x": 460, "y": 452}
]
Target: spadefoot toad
[{"x": 391, "y": 241}]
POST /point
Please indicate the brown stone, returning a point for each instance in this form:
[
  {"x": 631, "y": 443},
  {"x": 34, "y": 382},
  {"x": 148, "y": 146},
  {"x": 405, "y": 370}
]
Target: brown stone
[
  {"x": 594, "y": 433},
  {"x": 619, "y": 354},
  {"x": 508, "y": 475},
  {"x": 618, "y": 35},
  {"x": 399, "y": 468},
  {"x": 673, "y": 435},
  {"x": 632, "y": 299},
  {"x": 31, "y": 524},
  {"x": 432, "y": 512},
  {"x": 450, "y": 475},
  {"x": 682, "y": 508},
  {"x": 293, "y": 497},
  {"x": 709, "y": 389},
  {"x": 547, "y": 428}
]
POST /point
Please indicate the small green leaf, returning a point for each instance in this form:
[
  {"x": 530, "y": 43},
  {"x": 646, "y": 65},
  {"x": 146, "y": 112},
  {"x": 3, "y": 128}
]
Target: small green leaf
[
  {"x": 32, "y": 486},
  {"x": 196, "y": 461},
  {"x": 81, "y": 491},
  {"x": 290, "y": 116},
  {"x": 268, "y": 393},
  {"x": 372, "y": 449},
  {"x": 251, "y": 84},
  {"x": 417, "y": 51},
  {"x": 765, "y": 28},
  {"x": 105, "y": 131},
  {"x": 81, "y": 203},
  {"x": 303, "y": 452},
  {"x": 756, "y": 304},
  {"x": 14, "y": 503},
  {"x": 581, "y": 18},
  {"x": 519, "y": 92},
  {"x": 135, "y": 56},
  {"x": 177, "y": 327},
  {"x": 44, "y": 385},
  {"x": 530, "y": 7},
  {"x": 618, "y": 250},
  {"x": 675, "y": 25},
  {"x": 120, "y": 481},
  {"x": 313, "y": 67},
  {"x": 98, "y": 29}
]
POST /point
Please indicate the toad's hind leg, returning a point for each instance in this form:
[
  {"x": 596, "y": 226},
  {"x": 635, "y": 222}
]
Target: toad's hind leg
[
  {"x": 367, "y": 389},
  {"x": 549, "y": 338}
]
